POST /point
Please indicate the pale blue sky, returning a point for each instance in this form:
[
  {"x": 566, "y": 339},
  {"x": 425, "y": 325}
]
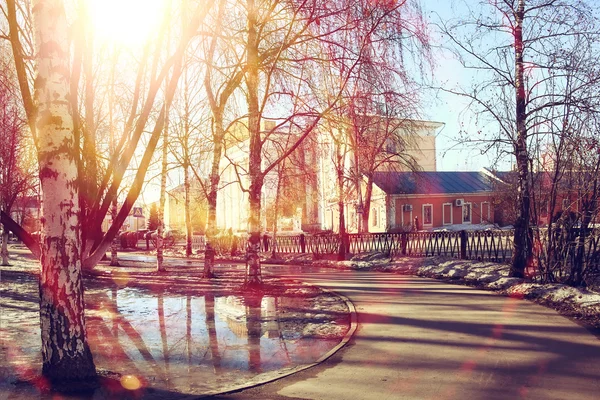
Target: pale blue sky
[{"x": 450, "y": 109}]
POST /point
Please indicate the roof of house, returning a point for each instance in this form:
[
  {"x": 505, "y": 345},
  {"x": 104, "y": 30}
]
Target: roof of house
[
  {"x": 566, "y": 180},
  {"x": 442, "y": 182}
]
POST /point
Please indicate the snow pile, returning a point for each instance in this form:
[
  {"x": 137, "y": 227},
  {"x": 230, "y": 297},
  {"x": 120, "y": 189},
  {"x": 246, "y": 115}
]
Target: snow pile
[
  {"x": 467, "y": 227},
  {"x": 328, "y": 330},
  {"x": 575, "y": 302}
]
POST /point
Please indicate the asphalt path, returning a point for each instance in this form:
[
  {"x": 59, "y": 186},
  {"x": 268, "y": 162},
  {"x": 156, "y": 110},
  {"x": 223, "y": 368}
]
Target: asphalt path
[{"x": 424, "y": 339}]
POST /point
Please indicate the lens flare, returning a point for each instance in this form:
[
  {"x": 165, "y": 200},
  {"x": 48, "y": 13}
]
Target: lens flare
[{"x": 130, "y": 382}]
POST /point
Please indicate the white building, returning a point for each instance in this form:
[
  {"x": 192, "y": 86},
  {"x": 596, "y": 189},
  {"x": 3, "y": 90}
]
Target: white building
[
  {"x": 314, "y": 205},
  {"x": 398, "y": 145}
]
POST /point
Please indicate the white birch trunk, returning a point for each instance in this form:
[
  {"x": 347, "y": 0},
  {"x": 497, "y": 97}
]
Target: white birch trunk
[
  {"x": 253, "y": 267},
  {"x": 4, "y": 250},
  {"x": 161, "y": 204},
  {"x": 66, "y": 355},
  {"x": 188, "y": 216}
]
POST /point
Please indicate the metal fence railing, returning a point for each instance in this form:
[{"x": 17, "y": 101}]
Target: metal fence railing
[
  {"x": 488, "y": 245},
  {"x": 476, "y": 245}
]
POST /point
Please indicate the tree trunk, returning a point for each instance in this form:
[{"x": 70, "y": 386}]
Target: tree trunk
[
  {"x": 522, "y": 246},
  {"x": 253, "y": 268},
  {"x": 367, "y": 205},
  {"x": 188, "y": 218},
  {"x": 253, "y": 271},
  {"x": 4, "y": 250},
  {"x": 211, "y": 220},
  {"x": 114, "y": 259},
  {"x": 66, "y": 356},
  {"x": 161, "y": 205},
  {"x": 342, "y": 216}
]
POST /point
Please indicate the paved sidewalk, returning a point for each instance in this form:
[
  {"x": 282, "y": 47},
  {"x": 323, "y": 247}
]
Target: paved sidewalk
[{"x": 423, "y": 339}]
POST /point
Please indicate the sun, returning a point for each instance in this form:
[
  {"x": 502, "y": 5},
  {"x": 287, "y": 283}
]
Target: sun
[{"x": 127, "y": 22}]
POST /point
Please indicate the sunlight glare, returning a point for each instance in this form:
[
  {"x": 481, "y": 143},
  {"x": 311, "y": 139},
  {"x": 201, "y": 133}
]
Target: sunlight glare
[
  {"x": 128, "y": 22},
  {"x": 130, "y": 382}
]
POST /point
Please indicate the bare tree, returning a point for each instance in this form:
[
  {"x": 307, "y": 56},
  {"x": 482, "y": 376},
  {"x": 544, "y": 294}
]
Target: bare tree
[
  {"x": 66, "y": 148},
  {"x": 224, "y": 74},
  {"x": 512, "y": 47},
  {"x": 17, "y": 177},
  {"x": 187, "y": 145},
  {"x": 312, "y": 37}
]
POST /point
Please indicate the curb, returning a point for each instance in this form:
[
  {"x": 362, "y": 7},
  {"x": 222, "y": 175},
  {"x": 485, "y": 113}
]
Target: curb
[{"x": 273, "y": 376}]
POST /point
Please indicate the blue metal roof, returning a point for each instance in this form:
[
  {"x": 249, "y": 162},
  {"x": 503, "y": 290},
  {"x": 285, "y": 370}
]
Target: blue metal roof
[{"x": 444, "y": 182}]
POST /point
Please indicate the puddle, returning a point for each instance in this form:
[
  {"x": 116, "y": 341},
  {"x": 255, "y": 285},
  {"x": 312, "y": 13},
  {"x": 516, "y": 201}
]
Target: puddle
[{"x": 186, "y": 344}]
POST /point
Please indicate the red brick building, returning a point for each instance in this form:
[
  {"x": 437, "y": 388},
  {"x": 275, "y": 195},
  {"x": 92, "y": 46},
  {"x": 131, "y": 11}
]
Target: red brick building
[{"x": 430, "y": 199}]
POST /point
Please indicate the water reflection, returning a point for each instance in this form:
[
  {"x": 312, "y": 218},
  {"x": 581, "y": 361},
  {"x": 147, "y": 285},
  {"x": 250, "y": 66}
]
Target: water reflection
[
  {"x": 173, "y": 340},
  {"x": 183, "y": 343}
]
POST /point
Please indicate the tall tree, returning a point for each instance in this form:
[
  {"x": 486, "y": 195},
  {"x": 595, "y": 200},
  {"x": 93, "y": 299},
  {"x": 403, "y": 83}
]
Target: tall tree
[
  {"x": 188, "y": 145},
  {"x": 65, "y": 352},
  {"x": 512, "y": 47},
  {"x": 222, "y": 79},
  {"x": 17, "y": 178},
  {"x": 66, "y": 152},
  {"x": 287, "y": 42}
]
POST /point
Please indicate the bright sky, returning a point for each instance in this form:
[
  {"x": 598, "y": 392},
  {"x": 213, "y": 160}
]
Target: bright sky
[
  {"x": 449, "y": 109},
  {"x": 127, "y": 22},
  {"x": 131, "y": 22}
]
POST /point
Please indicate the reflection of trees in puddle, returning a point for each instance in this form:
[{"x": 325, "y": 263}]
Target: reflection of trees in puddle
[
  {"x": 254, "y": 327},
  {"x": 186, "y": 343},
  {"x": 209, "y": 311},
  {"x": 224, "y": 332},
  {"x": 163, "y": 336}
]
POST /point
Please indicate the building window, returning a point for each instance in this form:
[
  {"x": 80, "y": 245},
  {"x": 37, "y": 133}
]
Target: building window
[
  {"x": 565, "y": 204},
  {"x": 427, "y": 214},
  {"x": 466, "y": 213},
  {"x": 447, "y": 213},
  {"x": 374, "y": 217}
]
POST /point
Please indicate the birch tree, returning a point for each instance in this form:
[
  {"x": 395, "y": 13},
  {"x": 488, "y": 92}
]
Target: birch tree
[
  {"x": 287, "y": 42},
  {"x": 66, "y": 148},
  {"x": 511, "y": 47},
  {"x": 65, "y": 352}
]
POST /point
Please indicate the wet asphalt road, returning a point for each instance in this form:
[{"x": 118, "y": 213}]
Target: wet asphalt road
[{"x": 423, "y": 339}]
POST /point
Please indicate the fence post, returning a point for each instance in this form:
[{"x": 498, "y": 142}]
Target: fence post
[
  {"x": 302, "y": 244},
  {"x": 463, "y": 245},
  {"x": 403, "y": 242}
]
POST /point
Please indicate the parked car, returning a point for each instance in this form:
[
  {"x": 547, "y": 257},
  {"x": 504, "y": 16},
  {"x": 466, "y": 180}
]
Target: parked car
[{"x": 170, "y": 237}]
